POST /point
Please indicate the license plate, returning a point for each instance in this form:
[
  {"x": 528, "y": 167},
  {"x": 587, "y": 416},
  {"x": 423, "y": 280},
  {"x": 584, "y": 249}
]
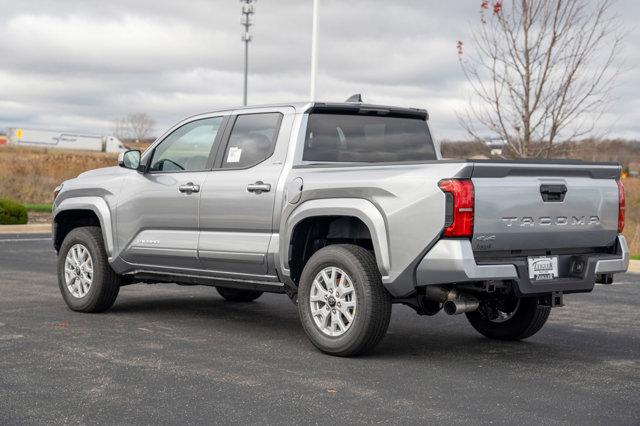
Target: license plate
[{"x": 543, "y": 267}]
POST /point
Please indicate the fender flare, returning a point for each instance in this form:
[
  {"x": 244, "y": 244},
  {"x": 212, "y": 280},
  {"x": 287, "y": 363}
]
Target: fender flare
[
  {"x": 356, "y": 207},
  {"x": 101, "y": 209}
]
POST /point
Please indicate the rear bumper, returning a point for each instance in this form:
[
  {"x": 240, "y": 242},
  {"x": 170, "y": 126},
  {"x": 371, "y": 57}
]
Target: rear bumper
[
  {"x": 452, "y": 262},
  {"x": 617, "y": 263}
]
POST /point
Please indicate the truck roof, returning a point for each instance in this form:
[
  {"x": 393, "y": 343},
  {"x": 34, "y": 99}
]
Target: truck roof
[{"x": 301, "y": 107}]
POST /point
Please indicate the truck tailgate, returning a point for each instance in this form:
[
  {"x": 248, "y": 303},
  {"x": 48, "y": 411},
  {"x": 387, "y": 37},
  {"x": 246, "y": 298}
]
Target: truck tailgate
[{"x": 535, "y": 206}]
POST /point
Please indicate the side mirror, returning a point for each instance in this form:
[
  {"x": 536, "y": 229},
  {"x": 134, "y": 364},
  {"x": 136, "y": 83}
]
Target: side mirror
[{"x": 129, "y": 159}]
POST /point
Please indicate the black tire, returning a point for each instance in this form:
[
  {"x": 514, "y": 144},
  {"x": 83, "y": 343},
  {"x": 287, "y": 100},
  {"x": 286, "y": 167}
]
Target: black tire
[
  {"x": 105, "y": 284},
  {"x": 238, "y": 295},
  {"x": 525, "y": 322},
  {"x": 373, "y": 303}
]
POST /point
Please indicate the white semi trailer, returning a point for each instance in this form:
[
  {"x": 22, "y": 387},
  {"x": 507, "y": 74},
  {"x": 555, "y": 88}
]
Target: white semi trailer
[{"x": 63, "y": 140}]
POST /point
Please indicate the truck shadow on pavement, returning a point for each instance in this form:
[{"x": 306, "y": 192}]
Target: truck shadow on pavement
[{"x": 410, "y": 337}]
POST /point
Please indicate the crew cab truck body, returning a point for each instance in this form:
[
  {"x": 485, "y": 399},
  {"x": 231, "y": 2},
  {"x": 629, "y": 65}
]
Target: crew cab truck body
[{"x": 347, "y": 208}]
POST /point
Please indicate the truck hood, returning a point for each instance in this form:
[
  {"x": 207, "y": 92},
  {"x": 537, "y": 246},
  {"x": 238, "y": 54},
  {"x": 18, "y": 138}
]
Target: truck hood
[
  {"x": 102, "y": 182},
  {"x": 105, "y": 171}
]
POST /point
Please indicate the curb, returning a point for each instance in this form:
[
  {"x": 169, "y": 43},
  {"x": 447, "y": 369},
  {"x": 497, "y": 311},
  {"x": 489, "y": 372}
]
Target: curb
[
  {"x": 634, "y": 267},
  {"x": 36, "y": 228}
]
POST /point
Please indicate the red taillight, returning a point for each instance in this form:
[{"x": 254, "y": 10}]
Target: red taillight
[
  {"x": 460, "y": 221},
  {"x": 620, "y": 206}
]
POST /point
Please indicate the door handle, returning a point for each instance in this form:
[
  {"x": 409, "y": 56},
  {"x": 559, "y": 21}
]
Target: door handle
[
  {"x": 259, "y": 187},
  {"x": 189, "y": 188}
]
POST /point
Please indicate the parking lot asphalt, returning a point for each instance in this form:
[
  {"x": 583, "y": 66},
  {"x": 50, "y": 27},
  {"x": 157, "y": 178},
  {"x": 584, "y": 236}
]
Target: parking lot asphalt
[{"x": 166, "y": 354}]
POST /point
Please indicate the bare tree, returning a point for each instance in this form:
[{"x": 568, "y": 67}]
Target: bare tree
[
  {"x": 541, "y": 71},
  {"x": 137, "y": 127},
  {"x": 120, "y": 128}
]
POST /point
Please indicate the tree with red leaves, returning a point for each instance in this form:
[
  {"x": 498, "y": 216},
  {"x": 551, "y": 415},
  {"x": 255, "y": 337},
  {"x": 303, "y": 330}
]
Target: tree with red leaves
[{"x": 497, "y": 7}]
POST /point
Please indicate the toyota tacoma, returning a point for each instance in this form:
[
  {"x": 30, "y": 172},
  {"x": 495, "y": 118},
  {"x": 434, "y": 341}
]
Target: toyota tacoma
[{"x": 347, "y": 208}]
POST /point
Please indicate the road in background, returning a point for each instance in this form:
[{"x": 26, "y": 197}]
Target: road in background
[{"x": 170, "y": 354}]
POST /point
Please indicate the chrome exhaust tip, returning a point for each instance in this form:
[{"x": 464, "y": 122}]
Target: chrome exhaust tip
[{"x": 461, "y": 305}]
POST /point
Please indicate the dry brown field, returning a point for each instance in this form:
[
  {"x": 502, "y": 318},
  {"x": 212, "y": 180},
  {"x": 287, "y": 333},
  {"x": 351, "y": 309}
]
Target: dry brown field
[{"x": 30, "y": 175}]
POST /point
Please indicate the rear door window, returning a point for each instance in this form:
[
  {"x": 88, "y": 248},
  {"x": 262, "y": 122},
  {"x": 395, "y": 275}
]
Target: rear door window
[
  {"x": 252, "y": 140},
  {"x": 370, "y": 139}
]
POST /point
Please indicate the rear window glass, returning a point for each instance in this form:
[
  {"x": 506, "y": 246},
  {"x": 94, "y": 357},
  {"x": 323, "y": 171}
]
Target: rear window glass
[{"x": 371, "y": 139}]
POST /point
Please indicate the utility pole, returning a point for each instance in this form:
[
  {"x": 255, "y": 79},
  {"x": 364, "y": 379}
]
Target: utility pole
[
  {"x": 314, "y": 50},
  {"x": 247, "y": 11}
]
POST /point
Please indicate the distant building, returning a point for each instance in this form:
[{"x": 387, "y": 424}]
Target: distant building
[
  {"x": 35, "y": 138},
  {"x": 496, "y": 145}
]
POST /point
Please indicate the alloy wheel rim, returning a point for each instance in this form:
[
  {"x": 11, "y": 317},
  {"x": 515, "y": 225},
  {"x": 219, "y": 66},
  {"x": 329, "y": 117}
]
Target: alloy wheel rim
[
  {"x": 333, "y": 301},
  {"x": 78, "y": 271},
  {"x": 501, "y": 316}
]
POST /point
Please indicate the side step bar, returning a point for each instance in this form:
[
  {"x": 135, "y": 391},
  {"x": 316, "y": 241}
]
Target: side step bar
[{"x": 187, "y": 279}]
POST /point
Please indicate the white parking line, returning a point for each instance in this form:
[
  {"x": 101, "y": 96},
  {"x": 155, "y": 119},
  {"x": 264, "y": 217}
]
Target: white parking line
[{"x": 11, "y": 240}]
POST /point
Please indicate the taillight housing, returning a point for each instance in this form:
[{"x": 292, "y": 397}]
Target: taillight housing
[
  {"x": 621, "y": 203},
  {"x": 459, "y": 202}
]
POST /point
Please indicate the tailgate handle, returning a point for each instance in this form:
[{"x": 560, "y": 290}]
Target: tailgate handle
[{"x": 553, "y": 193}]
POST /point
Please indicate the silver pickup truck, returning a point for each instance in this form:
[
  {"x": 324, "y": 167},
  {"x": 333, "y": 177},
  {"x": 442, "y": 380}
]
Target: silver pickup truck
[{"x": 347, "y": 208}]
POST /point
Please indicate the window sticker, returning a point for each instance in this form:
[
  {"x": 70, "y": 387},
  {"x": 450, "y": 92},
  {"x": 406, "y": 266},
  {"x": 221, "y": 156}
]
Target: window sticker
[{"x": 234, "y": 154}]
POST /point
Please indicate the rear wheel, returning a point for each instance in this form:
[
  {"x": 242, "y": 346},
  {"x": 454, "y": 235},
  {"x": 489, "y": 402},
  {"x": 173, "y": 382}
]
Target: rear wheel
[
  {"x": 86, "y": 281},
  {"x": 342, "y": 304},
  {"x": 509, "y": 319},
  {"x": 238, "y": 295}
]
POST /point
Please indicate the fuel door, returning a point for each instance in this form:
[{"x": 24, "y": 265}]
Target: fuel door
[{"x": 294, "y": 190}]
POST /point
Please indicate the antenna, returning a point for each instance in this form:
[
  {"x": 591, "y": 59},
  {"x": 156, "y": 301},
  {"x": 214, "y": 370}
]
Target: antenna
[
  {"x": 245, "y": 21},
  {"x": 355, "y": 98}
]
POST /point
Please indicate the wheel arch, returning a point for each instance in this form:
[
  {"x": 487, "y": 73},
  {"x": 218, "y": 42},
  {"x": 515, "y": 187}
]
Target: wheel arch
[
  {"x": 72, "y": 213},
  {"x": 358, "y": 210}
]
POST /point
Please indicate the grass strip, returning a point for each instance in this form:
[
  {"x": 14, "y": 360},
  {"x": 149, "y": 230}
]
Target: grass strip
[{"x": 43, "y": 208}]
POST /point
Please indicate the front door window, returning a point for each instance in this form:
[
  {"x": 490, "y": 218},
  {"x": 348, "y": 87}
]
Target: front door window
[{"x": 188, "y": 148}]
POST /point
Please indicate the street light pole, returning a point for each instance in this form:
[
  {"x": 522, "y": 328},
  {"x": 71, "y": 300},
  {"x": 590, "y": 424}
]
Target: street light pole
[
  {"x": 314, "y": 50},
  {"x": 246, "y": 72},
  {"x": 247, "y": 11}
]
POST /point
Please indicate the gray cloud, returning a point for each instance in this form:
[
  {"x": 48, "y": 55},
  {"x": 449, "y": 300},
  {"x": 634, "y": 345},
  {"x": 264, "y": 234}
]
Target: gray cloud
[{"x": 78, "y": 64}]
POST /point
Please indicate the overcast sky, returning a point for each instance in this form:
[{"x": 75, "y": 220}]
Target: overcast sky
[{"x": 79, "y": 64}]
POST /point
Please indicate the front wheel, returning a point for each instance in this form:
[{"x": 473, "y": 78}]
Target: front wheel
[
  {"x": 342, "y": 304},
  {"x": 86, "y": 281},
  {"x": 509, "y": 319}
]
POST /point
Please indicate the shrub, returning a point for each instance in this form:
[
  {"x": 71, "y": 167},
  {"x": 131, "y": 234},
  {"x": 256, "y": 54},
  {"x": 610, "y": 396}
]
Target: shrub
[{"x": 12, "y": 213}]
